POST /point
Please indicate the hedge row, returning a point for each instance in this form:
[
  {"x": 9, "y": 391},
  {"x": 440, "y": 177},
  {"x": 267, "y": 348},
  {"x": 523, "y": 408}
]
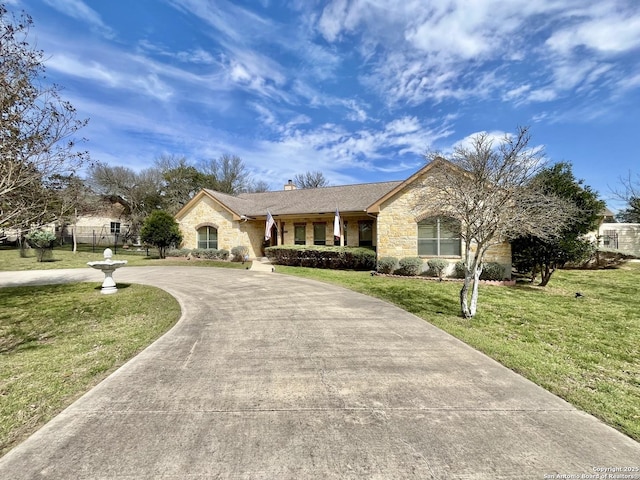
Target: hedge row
[
  {"x": 336, "y": 258},
  {"x": 436, "y": 267}
]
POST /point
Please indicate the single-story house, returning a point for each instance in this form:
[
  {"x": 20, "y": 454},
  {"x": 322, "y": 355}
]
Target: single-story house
[
  {"x": 106, "y": 222},
  {"x": 380, "y": 215},
  {"x": 620, "y": 236}
]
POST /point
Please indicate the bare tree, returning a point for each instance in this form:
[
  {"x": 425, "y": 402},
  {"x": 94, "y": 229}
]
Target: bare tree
[
  {"x": 258, "y": 186},
  {"x": 488, "y": 191},
  {"x": 630, "y": 194},
  {"x": 36, "y": 128},
  {"x": 310, "y": 180},
  {"x": 228, "y": 173},
  {"x": 139, "y": 192},
  {"x": 72, "y": 198}
]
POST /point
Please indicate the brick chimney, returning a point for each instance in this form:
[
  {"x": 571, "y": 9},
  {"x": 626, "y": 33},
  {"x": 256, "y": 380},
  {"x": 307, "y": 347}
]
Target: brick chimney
[{"x": 289, "y": 185}]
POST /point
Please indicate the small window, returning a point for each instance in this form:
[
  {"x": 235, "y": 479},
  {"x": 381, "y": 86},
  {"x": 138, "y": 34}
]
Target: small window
[
  {"x": 115, "y": 228},
  {"x": 208, "y": 237},
  {"x": 300, "y": 234},
  {"x": 439, "y": 237},
  {"x": 365, "y": 233},
  {"x": 319, "y": 233}
]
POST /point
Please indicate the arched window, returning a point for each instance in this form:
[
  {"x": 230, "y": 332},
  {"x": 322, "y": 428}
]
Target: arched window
[
  {"x": 439, "y": 237},
  {"x": 208, "y": 237}
]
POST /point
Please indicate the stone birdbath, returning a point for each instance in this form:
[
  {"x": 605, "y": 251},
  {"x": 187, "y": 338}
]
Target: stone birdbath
[{"x": 108, "y": 266}]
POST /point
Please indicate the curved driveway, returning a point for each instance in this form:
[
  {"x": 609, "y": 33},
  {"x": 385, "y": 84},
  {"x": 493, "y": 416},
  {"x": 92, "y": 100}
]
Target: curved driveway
[{"x": 274, "y": 377}]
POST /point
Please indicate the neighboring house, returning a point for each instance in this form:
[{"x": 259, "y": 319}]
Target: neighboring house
[
  {"x": 616, "y": 236},
  {"x": 385, "y": 215},
  {"x": 103, "y": 226},
  {"x": 620, "y": 236}
]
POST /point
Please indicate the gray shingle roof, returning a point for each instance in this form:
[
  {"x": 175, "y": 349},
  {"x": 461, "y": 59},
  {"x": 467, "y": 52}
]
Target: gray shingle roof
[{"x": 346, "y": 198}]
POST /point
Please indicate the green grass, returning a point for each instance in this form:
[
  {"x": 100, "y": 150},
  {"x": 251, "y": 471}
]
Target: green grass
[
  {"x": 585, "y": 350},
  {"x": 57, "y": 341},
  {"x": 10, "y": 259}
]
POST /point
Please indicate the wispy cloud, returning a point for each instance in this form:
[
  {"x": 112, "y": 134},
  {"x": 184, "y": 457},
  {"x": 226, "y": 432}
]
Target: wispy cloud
[
  {"x": 435, "y": 51},
  {"x": 79, "y": 10}
]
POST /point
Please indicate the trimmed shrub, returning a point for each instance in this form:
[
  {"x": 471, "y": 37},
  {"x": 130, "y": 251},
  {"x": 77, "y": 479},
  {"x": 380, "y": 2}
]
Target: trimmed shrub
[
  {"x": 209, "y": 253},
  {"x": 458, "y": 269},
  {"x": 223, "y": 254},
  {"x": 239, "y": 253},
  {"x": 337, "y": 258},
  {"x": 492, "y": 271},
  {"x": 437, "y": 267},
  {"x": 409, "y": 266},
  {"x": 178, "y": 252},
  {"x": 387, "y": 264}
]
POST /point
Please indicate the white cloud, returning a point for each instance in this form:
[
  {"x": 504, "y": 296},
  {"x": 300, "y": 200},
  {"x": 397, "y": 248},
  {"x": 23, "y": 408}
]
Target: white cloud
[
  {"x": 198, "y": 55},
  {"x": 147, "y": 84},
  {"x": 454, "y": 49},
  {"x": 630, "y": 82},
  {"x": 516, "y": 93},
  {"x": 610, "y": 34},
  {"x": 542, "y": 95},
  {"x": 78, "y": 10}
]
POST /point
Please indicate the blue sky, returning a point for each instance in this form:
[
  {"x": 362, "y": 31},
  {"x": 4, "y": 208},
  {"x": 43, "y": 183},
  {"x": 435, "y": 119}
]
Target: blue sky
[{"x": 358, "y": 89}]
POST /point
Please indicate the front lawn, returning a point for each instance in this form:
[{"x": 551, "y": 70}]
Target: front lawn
[
  {"x": 584, "y": 349},
  {"x": 10, "y": 259},
  {"x": 57, "y": 341}
]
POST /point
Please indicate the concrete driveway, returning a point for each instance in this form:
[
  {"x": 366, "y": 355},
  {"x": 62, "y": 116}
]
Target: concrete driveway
[{"x": 274, "y": 377}]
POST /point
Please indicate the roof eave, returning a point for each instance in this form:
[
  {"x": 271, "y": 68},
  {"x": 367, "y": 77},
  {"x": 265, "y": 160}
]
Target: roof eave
[{"x": 204, "y": 192}]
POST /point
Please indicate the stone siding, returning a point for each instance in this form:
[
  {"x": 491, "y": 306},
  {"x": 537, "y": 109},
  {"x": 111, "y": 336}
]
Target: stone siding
[
  {"x": 397, "y": 234},
  {"x": 231, "y": 233}
]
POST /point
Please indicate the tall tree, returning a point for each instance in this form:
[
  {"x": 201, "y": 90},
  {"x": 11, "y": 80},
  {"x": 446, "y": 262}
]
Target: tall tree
[
  {"x": 36, "y": 128},
  {"x": 228, "y": 173},
  {"x": 543, "y": 256},
  {"x": 630, "y": 193},
  {"x": 72, "y": 198},
  {"x": 139, "y": 192},
  {"x": 631, "y": 214},
  {"x": 181, "y": 181},
  {"x": 486, "y": 189},
  {"x": 310, "y": 180}
]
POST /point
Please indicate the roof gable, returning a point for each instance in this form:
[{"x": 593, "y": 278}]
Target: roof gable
[{"x": 438, "y": 162}]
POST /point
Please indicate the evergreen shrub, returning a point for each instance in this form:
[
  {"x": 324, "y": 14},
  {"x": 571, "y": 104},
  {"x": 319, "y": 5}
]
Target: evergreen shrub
[
  {"x": 492, "y": 271},
  {"x": 337, "y": 258},
  {"x": 409, "y": 266},
  {"x": 437, "y": 267},
  {"x": 387, "y": 264}
]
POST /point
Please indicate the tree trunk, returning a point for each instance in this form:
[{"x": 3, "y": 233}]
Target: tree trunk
[
  {"x": 546, "y": 275},
  {"x": 474, "y": 291},
  {"x": 73, "y": 231},
  {"x": 464, "y": 303},
  {"x": 472, "y": 272}
]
